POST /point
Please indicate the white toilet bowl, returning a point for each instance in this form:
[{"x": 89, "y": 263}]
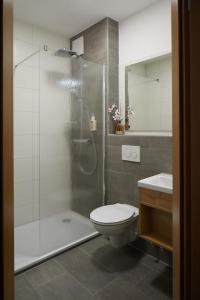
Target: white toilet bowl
[{"x": 118, "y": 222}]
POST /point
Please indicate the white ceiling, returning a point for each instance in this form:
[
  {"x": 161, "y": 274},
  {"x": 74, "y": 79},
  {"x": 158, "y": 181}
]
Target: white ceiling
[{"x": 69, "y": 17}]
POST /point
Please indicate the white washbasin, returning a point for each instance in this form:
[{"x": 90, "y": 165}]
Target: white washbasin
[{"x": 161, "y": 183}]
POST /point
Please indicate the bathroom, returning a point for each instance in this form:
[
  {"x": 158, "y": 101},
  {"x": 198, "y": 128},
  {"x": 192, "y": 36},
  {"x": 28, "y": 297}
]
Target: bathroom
[{"x": 92, "y": 126}]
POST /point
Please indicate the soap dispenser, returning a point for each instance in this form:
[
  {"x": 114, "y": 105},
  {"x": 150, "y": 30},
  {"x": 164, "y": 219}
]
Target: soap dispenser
[{"x": 93, "y": 123}]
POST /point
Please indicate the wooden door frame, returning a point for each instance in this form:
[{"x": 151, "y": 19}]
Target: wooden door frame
[
  {"x": 186, "y": 149},
  {"x": 193, "y": 226},
  {"x": 7, "y": 204},
  {"x": 181, "y": 149},
  {"x": 177, "y": 147},
  {"x": 185, "y": 155}
]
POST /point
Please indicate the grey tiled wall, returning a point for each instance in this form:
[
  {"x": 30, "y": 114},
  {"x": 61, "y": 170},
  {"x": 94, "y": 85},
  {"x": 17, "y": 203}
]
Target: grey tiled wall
[
  {"x": 87, "y": 189},
  {"x": 113, "y": 61},
  {"x": 122, "y": 176},
  {"x": 101, "y": 45},
  {"x": 95, "y": 42}
]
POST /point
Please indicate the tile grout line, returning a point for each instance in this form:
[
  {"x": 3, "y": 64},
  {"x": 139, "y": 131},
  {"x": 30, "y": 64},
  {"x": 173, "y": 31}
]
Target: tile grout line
[
  {"x": 45, "y": 282},
  {"x": 76, "y": 280}
]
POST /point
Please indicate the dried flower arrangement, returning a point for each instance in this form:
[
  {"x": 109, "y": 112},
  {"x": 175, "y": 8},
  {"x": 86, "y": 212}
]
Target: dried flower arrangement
[{"x": 115, "y": 115}]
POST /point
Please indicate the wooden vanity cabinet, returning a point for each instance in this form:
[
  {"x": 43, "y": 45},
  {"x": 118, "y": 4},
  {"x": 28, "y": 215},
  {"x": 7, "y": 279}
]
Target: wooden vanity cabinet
[{"x": 156, "y": 217}]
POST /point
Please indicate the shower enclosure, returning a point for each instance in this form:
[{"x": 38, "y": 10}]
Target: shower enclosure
[{"x": 62, "y": 176}]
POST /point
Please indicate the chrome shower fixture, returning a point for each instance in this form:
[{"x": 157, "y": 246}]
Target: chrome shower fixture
[{"x": 65, "y": 53}]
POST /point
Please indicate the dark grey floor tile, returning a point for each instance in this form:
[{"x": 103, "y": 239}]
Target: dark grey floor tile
[
  {"x": 44, "y": 272},
  {"x": 116, "y": 261},
  {"x": 93, "y": 245},
  {"x": 124, "y": 262},
  {"x": 157, "y": 286},
  {"x": 120, "y": 290},
  {"x": 20, "y": 282},
  {"x": 97, "y": 271},
  {"x": 64, "y": 287},
  {"x": 136, "y": 274},
  {"x": 92, "y": 275},
  {"x": 139, "y": 295},
  {"x": 155, "y": 265},
  {"x": 26, "y": 293}
]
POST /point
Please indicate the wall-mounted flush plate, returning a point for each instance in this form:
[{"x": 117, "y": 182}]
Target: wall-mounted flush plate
[{"x": 131, "y": 153}]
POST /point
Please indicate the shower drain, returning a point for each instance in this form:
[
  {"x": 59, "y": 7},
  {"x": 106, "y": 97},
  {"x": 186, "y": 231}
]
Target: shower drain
[{"x": 67, "y": 220}]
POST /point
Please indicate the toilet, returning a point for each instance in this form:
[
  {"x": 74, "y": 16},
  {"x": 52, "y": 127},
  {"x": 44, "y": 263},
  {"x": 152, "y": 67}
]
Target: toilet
[{"x": 117, "y": 222}]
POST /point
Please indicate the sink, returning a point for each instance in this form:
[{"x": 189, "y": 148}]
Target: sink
[{"x": 161, "y": 183}]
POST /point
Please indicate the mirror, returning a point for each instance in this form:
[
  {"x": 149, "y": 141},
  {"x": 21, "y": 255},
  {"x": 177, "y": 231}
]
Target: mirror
[{"x": 148, "y": 92}]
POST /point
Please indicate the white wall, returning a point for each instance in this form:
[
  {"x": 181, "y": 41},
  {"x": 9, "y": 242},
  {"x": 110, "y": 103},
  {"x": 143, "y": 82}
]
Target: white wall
[
  {"x": 146, "y": 34},
  {"x": 30, "y": 106},
  {"x": 142, "y": 36}
]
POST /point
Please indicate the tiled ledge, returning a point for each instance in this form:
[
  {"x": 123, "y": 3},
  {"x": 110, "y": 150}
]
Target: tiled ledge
[{"x": 143, "y": 133}]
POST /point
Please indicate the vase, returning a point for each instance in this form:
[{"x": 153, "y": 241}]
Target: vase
[{"x": 119, "y": 129}]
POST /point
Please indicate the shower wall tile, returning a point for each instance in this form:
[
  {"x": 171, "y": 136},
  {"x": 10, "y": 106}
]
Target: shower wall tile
[
  {"x": 23, "y": 123},
  {"x": 36, "y": 168},
  {"x": 55, "y": 195},
  {"x": 23, "y": 49},
  {"x": 35, "y": 78},
  {"x": 95, "y": 42},
  {"x": 23, "y": 100},
  {"x": 23, "y": 145},
  {"x": 36, "y": 199},
  {"x": 23, "y": 192},
  {"x": 23, "y": 77},
  {"x": 101, "y": 47},
  {"x": 36, "y": 145},
  {"x": 36, "y": 101},
  {"x": 34, "y": 93},
  {"x": 23, "y": 169},
  {"x": 113, "y": 59},
  {"x": 23, "y": 214},
  {"x": 35, "y": 123}
]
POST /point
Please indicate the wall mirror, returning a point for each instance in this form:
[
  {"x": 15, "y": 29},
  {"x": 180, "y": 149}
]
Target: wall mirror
[{"x": 148, "y": 92}]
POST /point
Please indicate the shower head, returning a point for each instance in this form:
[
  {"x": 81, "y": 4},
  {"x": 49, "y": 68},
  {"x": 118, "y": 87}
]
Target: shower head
[{"x": 65, "y": 53}]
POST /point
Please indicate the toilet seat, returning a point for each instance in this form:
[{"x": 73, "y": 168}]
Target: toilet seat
[{"x": 113, "y": 214}]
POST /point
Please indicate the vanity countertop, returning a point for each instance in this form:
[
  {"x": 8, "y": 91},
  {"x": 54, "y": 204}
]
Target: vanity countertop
[{"x": 162, "y": 183}]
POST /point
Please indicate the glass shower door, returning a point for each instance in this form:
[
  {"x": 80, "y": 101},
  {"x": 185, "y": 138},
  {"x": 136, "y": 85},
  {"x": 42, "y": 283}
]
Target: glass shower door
[{"x": 70, "y": 155}]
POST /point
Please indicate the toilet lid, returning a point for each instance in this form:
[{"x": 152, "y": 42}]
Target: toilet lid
[{"x": 112, "y": 214}]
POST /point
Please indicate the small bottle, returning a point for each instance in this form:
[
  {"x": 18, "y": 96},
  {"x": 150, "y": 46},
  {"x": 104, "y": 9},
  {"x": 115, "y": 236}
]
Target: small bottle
[{"x": 93, "y": 123}]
